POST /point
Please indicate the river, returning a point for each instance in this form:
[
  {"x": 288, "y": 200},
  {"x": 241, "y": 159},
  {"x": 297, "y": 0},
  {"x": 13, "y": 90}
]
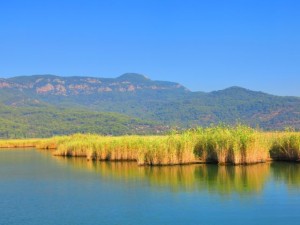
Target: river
[{"x": 37, "y": 188}]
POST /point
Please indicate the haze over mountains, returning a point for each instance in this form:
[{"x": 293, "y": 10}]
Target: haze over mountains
[{"x": 139, "y": 105}]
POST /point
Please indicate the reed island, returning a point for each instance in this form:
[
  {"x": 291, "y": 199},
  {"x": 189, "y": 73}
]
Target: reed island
[{"x": 218, "y": 144}]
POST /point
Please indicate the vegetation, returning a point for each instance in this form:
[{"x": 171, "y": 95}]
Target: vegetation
[
  {"x": 134, "y": 95},
  {"x": 20, "y": 143},
  {"x": 47, "y": 121},
  {"x": 146, "y": 150},
  {"x": 221, "y": 144},
  {"x": 239, "y": 145},
  {"x": 286, "y": 146}
]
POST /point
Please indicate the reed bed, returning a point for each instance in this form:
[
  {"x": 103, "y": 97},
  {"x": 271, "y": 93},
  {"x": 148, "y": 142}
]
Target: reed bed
[
  {"x": 146, "y": 150},
  {"x": 19, "y": 143},
  {"x": 286, "y": 146},
  {"x": 238, "y": 145},
  {"x": 221, "y": 144}
]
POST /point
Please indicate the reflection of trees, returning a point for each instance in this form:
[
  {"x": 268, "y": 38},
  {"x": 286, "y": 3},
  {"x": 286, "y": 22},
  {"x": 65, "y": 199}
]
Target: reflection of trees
[
  {"x": 223, "y": 180},
  {"x": 289, "y": 173}
]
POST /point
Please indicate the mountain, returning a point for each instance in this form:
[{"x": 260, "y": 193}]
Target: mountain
[
  {"x": 165, "y": 103},
  {"x": 50, "y": 85}
]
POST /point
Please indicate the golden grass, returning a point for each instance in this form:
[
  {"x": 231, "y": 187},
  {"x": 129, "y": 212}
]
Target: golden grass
[
  {"x": 19, "y": 143},
  {"x": 146, "y": 150},
  {"x": 286, "y": 146},
  {"x": 221, "y": 144},
  {"x": 238, "y": 145}
]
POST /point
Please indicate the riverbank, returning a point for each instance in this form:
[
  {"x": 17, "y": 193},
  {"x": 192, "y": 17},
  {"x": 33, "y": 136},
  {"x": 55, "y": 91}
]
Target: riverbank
[
  {"x": 19, "y": 143},
  {"x": 222, "y": 145}
]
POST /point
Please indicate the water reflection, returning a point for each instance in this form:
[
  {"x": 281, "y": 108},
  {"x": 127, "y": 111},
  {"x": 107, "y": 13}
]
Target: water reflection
[
  {"x": 226, "y": 180},
  {"x": 287, "y": 173},
  {"x": 74, "y": 191},
  {"x": 222, "y": 180}
]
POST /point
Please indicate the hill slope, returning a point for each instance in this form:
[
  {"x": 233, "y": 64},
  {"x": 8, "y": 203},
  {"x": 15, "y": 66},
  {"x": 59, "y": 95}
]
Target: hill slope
[
  {"x": 47, "y": 121},
  {"x": 165, "y": 102}
]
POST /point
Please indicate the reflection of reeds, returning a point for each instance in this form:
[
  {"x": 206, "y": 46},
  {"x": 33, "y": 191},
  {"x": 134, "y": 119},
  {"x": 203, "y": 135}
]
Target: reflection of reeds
[
  {"x": 238, "y": 179},
  {"x": 289, "y": 173},
  {"x": 222, "y": 180}
]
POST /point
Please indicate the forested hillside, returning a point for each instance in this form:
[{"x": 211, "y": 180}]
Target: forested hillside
[
  {"x": 49, "y": 105},
  {"x": 47, "y": 121}
]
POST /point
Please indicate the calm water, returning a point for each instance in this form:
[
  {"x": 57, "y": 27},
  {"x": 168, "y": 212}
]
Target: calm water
[{"x": 36, "y": 188}]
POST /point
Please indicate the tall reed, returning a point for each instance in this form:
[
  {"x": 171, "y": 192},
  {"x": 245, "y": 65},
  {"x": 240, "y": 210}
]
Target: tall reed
[
  {"x": 18, "y": 143},
  {"x": 219, "y": 144},
  {"x": 236, "y": 145},
  {"x": 286, "y": 146}
]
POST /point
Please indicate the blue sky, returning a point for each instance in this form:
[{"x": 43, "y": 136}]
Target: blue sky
[{"x": 205, "y": 45}]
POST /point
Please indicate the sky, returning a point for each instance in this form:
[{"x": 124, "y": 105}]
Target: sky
[{"x": 203, "y": 44}]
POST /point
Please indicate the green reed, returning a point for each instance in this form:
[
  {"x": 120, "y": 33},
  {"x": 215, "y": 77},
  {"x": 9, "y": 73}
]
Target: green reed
[{"x": 286, "y": 146}]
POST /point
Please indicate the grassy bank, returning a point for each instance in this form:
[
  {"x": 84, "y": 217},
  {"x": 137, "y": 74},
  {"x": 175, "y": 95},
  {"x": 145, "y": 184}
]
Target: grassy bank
[
  {"x": 20, "y": 143},
  {"x": 222, "y": 144}
]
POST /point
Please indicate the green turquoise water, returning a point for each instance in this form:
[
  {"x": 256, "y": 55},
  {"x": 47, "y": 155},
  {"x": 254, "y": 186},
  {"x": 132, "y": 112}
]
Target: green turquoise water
[{"x": 39, "y": 189}]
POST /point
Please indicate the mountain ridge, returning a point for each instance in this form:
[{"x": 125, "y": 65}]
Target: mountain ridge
[
  {"x": 127, "y": 77},
  {"x": 168, "y": 103},
  {"x": 58, "y": 85}
]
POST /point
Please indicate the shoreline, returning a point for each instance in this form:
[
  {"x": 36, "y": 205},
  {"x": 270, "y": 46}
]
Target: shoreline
[{"x": 238, "y": 145}]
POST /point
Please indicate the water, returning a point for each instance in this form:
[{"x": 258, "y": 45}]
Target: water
[{"x": 37, "y": 188}]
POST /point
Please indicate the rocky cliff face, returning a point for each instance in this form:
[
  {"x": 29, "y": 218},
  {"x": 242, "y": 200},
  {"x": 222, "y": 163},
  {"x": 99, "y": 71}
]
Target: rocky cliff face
[{"x": 68, "y": 86}]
